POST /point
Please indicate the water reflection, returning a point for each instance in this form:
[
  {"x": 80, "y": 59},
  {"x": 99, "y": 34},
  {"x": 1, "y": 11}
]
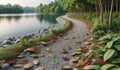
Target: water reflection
[
  {"x": 20, "y": 24},
  {"x": 10, "y": 18},
  {"x": 49, "y": 18}
]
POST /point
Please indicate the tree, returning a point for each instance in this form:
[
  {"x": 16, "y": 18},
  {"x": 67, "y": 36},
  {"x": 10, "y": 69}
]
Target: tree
[
  {"x": 110, "y": 16},
  {"x": 52, "y": 8},
  {"x": 11, "y": 9},
  {"x": 28, "y": 9}
]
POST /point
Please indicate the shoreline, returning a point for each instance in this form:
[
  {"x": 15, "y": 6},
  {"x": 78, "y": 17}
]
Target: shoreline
[
  {"x": 7, "y": 41},
  {"x": 46, "y": 37}
]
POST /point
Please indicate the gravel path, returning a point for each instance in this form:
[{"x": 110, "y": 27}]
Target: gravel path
[{"x": 79, "y": 30}]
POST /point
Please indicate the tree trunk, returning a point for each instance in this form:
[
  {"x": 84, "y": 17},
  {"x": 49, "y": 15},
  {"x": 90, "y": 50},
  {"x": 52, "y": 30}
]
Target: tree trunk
[
  {"x": 105, "y": 9},
  {"x": 116, "y": 6},
  {"x": 96, "y": 11},
  {"x": 110, "y": 16},
  {"x": 101, "y": 11},
  {"x": 108, "y": 8}
]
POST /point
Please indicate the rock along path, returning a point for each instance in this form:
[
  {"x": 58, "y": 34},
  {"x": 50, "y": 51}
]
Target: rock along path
[{"x": 79, "y": 31}]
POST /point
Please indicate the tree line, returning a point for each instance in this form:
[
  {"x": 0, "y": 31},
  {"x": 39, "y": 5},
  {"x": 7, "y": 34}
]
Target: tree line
[
  {"x": 15, "y": 9},
  {"x": 52, "y": 8},
  {"x": 10, "y": 8},
  {"x": 29, "y": 9}
]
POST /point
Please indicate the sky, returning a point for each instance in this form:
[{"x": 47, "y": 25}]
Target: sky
[{"x": 31, "y": 3}]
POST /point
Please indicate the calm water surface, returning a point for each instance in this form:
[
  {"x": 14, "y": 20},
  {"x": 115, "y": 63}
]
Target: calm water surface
[{"x": 21, "y": 24}]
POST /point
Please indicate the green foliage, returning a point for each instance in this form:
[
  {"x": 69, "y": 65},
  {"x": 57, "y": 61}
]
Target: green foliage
[
  {"x": 111, "y": 43},
  {"x": 108, "y": 66},
  {"x": 101, "y": 29},
  {"x": 28, "y": 9},
  {"x": 52, "y": 55},
  {"x": 117, "y": 47},
  {"x": 8, "y": 52},
  {"x": 10, "y": 9},
  {"x": 116, "y": 60},
  {"x": 108, "y": 54},
  {"x": 52, "y": 8}
]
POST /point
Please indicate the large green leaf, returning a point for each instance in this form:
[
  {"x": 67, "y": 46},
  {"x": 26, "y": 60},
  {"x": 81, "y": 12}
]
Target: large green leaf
[
  {"x": 116, "y": 39},
  {"x": 116, "y": 60},
  {"x": 106, "y": 37},
  {"x": 116, "y": 68},
  {"x": 108, "y": 54},
  {"x": 107, "y": 66},
  {"x": 117, "y": 47},
  {"x": 110, "y": 44},
  {"x": 95, "y": 67}
]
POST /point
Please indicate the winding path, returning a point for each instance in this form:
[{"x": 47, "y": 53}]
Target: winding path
[{"x": 79, "y": 31}]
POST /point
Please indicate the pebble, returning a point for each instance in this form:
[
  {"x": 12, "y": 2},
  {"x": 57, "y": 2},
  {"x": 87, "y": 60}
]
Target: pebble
[
  {"x": 2, "y": 62},
  {"x": 36, "y": 62},
  {"x": 41, "y": 55},
  {"x": 67, "y": 68},
  {"x": 48, "y": 49},
  {"x": 5, "y": 66},
  {"x": 17, "y": 65},
  {"x": 28, "y": 66},
  {"x": 40, "y": 68}
]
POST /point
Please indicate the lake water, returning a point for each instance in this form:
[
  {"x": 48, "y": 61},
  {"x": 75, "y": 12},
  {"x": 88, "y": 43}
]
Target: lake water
[{"x": 12, "y": 25}]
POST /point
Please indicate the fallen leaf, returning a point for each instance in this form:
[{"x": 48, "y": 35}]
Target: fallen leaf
[
  {"x": 12, "y": 61},
  {"x": 99, "y": 60},
  {"x": 16, "y": 53},
  {"x": 23, "y": 61},
  {"x": 33, "y": 49},
  {"x": 65, "y": 58}
]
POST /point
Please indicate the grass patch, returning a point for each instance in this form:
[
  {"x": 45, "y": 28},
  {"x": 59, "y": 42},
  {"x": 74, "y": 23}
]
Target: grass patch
[
  {"x": 82, "y": 18},
  {"x": 8, "y": 52}
]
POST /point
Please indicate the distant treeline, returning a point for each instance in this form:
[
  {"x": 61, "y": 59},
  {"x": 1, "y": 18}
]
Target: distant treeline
[
  {"x": 15, "y": 9},
  {"x": 52, "y": 8},
  {"x": 11, "y": 8},
  {"x": 29, "y": 9}
]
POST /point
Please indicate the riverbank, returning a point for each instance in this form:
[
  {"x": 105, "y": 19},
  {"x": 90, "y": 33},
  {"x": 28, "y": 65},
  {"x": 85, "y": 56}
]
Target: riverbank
[
  {"x": 54, "y": 57},
  {"x": 8, "y": 52}
]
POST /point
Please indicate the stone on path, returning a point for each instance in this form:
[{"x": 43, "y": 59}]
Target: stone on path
[
  {"x": 40, "y": 68},
  {"x": 48, "y": 49},
  {"x": 17, "y": 65},
  {"x": 67, "y": 68},
  {"x": 2, "y": 62},
  {"x": 41, "y": 55},
  {"x": 5, "y": 66},
  {"x": 36, "y": 62},
  {"x": 28, "y": 66}
]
